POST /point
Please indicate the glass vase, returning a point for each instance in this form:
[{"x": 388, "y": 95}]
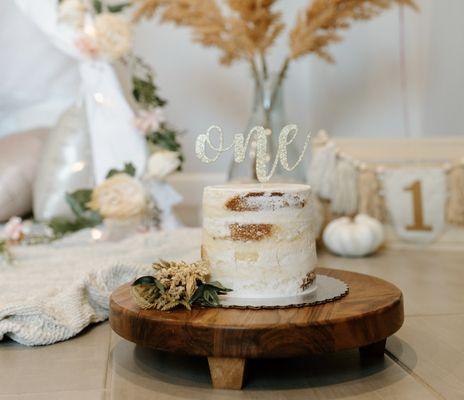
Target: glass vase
[{"x": 268, "y": 111}]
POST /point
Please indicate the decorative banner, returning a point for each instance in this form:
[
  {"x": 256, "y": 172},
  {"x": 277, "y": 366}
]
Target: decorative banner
[{"x": 416, "y": 201}]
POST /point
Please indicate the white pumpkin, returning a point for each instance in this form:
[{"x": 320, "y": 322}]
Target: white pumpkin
[{"x": 355, "y": 237}]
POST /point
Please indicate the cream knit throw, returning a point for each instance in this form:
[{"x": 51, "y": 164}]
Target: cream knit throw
[{"x": 54, "y": 291}]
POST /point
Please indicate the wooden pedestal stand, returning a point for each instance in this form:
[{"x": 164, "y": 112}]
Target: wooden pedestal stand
[{"x": 372, "y": 311}]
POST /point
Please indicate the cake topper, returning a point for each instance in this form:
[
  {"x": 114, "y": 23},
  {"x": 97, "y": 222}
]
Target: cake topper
[{"x": 240, "y": 144}]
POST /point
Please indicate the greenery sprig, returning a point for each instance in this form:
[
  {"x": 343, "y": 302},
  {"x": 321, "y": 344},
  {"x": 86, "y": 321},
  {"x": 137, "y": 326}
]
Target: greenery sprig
[
  {"x": 207, "y": 294},
  {"x": 5, "y": 252},
  {"x": 84, "y": 217},
  {"x": 128, "y": 169},
  {"x": 145, "y": 93}
]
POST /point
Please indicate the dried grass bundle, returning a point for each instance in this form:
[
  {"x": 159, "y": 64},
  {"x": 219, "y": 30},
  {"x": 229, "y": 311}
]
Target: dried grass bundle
[
  {"x": 250, "y": 27},
  {"x": 147, "y": 8},
  {"x": 319, "y": 25},
  {"x": 247, "y": 29}
]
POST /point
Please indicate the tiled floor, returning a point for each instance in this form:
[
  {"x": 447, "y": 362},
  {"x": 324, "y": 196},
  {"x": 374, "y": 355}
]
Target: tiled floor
[{"x": 425, "y": 359}]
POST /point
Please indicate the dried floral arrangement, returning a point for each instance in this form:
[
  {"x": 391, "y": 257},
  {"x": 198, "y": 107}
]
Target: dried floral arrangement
[
  {"x": 247, "y": 29},
  {"x": 177, "y": 283}
]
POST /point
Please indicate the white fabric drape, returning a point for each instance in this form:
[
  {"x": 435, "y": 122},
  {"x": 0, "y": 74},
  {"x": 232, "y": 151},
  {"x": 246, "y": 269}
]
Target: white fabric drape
[{"x": 114, "y": 138}]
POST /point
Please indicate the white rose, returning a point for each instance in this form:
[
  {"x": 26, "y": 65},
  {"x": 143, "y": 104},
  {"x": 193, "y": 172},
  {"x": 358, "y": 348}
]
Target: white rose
[
  {"x": 119, "y": 197},
  {"x": 72, "y": 12},
  {"x": 162, "y": 163},
  {"x": 113, "y": 35}
]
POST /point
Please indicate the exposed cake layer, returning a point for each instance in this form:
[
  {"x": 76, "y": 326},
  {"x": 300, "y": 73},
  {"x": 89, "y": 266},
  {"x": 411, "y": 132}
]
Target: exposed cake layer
[{"x": 258, "y": 238}]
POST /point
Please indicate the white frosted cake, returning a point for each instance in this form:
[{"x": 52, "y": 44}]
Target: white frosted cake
[{"x": 258, "y": 238}]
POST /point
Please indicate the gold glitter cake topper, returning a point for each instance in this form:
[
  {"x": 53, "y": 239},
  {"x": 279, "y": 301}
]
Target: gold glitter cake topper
[{"x": 240, "y": 144}]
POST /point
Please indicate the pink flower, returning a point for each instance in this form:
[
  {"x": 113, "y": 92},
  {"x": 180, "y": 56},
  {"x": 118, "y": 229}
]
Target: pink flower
[
  {"x": 87, "y": 46},
  {"x": 13, "y": 229},
  {"x": 149, "y": 121}
]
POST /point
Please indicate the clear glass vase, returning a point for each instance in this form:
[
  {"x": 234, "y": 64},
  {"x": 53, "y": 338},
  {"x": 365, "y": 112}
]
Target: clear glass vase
[{"x": 268, "y": 111}]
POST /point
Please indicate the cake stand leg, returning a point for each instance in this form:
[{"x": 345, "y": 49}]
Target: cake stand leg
[
  {"x": 374, "y": 349},
  {"x": 227, "y": 373}
]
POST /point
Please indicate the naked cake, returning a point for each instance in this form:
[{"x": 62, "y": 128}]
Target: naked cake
[{"x": 258, "y": 238}]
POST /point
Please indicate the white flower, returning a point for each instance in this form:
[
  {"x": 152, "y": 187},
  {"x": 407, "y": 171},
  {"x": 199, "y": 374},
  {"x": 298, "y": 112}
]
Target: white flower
[
  {"x": 72, "y": 12},
  {"x": 162, "y": 163},
  {"x": 113, "y": 35},
  {"x": 13, "y": 229},
  {"x": 150, "y": 121},
  {"x": 119, "y": 197}
]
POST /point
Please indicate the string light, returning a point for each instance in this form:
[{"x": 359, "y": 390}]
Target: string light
[{"x": 98, "y": 97}]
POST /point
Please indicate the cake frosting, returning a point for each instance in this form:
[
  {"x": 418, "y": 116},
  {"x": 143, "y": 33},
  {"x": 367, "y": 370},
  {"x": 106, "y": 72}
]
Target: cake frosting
[{"x": 258, "y": 238}]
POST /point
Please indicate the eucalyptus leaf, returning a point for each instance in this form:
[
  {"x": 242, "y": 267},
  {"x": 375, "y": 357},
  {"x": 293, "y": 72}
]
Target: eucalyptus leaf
[
  {"x": 150, "y": 280},
  {"x": 144, "y": 91},
  {"x": 84, "y": 217},
  {"x": 97, "y": 6},
  {"x": 78, "y": 200},
  {"x": 144, "y": 280},
  {"x": 197, "y": 295},
  {"x": 128, "y": 169},
  {"x": 5, "y": 252},
  {"x": 78, "y": 203},
  {"x": 116, "y": 8},
  {"x": 207, "y": 294},
  {"x": 165, "y": 138},
  {"x": 218, "y": 286}
]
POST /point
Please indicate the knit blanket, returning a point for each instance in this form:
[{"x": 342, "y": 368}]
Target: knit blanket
[{"x": 53, "y": 291}]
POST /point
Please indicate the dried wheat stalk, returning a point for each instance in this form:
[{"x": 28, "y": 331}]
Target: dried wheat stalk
[
  {"x": 250, "y": 27},
  {"x": 247, "y": 31},
  {"x": 147, "y": 8},
  {"x": 319, "y": 25}
]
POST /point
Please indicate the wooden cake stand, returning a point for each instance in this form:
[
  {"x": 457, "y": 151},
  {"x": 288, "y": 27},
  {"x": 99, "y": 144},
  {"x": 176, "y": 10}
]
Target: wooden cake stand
[{"x": 372, "y": 311}]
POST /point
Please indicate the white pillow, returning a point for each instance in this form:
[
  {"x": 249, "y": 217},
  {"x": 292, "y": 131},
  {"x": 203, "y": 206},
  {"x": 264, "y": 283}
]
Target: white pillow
[{"x": 19, "y": 156}]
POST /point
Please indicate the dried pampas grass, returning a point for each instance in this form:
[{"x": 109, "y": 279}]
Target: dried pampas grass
[
  {"x": 246, "y": 32},
  {"x": 246, "y": 29},
  {"x": 320, "y": 24}
]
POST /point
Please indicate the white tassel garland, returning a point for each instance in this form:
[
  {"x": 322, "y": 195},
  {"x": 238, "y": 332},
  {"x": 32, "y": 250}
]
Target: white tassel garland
[
  {"x": 345, "y": 188},
  {"x": 322, "y": 168}
]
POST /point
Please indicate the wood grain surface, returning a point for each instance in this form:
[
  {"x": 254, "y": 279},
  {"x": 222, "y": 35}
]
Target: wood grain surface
[{"x": 372, "y": 311}]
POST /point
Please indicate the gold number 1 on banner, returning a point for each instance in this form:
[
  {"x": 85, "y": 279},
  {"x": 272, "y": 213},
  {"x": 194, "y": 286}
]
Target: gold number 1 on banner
[{"x": 418, "y": 224}]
